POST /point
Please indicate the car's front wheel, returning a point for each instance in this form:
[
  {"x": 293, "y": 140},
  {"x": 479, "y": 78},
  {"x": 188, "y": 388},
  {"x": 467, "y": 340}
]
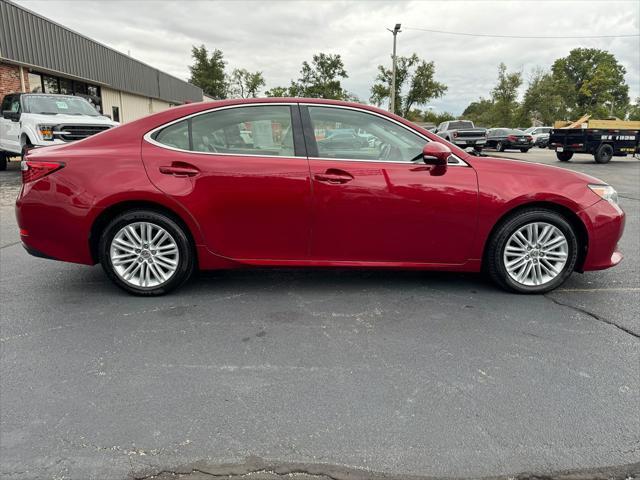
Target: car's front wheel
[
  {"x": 146, "y": 253},
  {"x": 533, "y": 251}
]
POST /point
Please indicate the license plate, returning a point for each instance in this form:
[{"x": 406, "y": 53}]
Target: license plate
[{"x": 559, "y": 149}]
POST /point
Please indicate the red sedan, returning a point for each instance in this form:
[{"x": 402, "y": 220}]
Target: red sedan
[{"x": 254, "y": 182}]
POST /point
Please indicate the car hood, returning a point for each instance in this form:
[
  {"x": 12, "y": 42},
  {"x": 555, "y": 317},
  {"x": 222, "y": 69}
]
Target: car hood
[
  {"x": 522, "y": 167},
  {"x": 71, "y": 119}
]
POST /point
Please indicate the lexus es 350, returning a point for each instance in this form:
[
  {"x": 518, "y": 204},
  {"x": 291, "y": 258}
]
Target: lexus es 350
[{"x": 260, "y": 182}]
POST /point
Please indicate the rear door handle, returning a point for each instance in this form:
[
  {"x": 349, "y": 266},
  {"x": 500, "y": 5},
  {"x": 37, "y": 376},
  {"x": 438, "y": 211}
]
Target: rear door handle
[
  {"x": 333, "y": 175},
  {"x": 179, "y": 171}
]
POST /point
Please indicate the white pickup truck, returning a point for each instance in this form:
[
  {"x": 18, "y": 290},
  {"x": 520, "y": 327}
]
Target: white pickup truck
[{"x": 40, "y": 119}]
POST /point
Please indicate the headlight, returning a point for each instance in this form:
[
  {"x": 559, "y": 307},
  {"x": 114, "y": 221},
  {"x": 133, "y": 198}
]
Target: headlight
[
  {"x": 605, "y": 191},
  {"x": 46, "y": 131}
]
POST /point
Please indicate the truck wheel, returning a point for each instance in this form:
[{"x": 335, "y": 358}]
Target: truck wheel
[
  {"x": 564, "y": 156},
  {"x": 500, "y": 147},
  {"x": 603, "y": 153},
  {"x": 3, "y": 161},
  {"x": 478, "y": 149}
]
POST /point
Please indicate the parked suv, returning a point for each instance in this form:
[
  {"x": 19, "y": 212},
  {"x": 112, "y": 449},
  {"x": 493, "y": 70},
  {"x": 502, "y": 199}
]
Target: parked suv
[
  {"x": 463, "y": 134},
  {"x": 38, "y": 120}
]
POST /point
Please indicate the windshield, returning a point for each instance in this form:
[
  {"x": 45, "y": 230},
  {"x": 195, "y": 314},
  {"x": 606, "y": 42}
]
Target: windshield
[{"x": 58, "y": 104}]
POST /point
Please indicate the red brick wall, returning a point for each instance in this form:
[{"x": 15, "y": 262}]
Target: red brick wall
[{"x": 10, "y": 79}]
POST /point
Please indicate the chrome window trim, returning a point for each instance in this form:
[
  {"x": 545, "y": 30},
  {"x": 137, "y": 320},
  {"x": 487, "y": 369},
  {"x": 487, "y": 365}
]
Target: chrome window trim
[
  {"x": 147, "y": 136},
  {"x": 459, "y": 161}
]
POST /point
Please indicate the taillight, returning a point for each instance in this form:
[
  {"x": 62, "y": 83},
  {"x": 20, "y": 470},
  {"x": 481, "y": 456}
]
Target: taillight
[
  {"x": 33, "y": 169},
  {"x": 512, "y": 138},
  {"x": 529, "y": 138}
]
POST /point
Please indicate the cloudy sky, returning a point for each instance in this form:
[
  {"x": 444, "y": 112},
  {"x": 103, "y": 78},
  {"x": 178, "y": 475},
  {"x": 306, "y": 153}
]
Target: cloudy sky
[{"x": 276, "y": 36}]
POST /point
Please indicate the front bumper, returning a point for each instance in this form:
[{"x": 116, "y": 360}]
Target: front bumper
[{"x": 605, "y": 225}]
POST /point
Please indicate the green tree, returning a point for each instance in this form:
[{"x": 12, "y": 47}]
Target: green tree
[
  {"x": 593, "y": 82},
  {"x": 319, "y": 79},
  {"x": 481, "y": 113},
  {"x": 245, "y": 84},
  {"x": 634, "y": 110},
  {"x": 505, "y": 96},
  {"x": 207, "y": 72},
  {"x": 544, "y": 100},
  {"x": 415, "y": 77},
  {"x": 278, "y": 92}
]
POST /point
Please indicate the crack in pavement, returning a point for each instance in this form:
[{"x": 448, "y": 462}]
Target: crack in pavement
[
  {"x": 593, "y": 315},
  {"x": 256, "y": 468}
]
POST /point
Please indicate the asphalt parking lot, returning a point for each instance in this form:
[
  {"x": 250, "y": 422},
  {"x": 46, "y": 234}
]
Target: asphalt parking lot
[{"x": 337, "y": 371}]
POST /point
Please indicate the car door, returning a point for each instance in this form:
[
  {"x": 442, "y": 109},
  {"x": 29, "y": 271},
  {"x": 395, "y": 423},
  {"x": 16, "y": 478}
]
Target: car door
[
  {"x": 374, "y": 204},
  {"x": 9, "y": 129},
  {"x": 243, "y": 173}
]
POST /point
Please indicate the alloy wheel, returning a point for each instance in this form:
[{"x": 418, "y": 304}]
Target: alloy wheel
[
  {"x": 144, "y": 254},
  {"x": 535, "y": 254}
]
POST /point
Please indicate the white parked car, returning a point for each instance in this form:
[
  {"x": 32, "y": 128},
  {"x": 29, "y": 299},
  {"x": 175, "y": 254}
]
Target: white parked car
[
  {"x": 540, "y": 135},
  {"x": 39, "y": 119}
]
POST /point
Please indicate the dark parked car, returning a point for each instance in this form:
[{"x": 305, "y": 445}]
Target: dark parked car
[
  {"x": 506, "y": 138},
  {"x": 342, "y": 139}
]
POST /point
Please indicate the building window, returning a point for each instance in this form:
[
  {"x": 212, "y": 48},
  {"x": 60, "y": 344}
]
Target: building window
[
  {"x": 50, "y": 84},
  {"x": 35, "y": 82},
  {"x": 66, "y": 86},
  {"x": 115, "y": 114}
]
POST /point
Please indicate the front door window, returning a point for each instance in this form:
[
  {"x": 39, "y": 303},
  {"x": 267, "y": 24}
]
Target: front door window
[{"x": 349, "y": 134}]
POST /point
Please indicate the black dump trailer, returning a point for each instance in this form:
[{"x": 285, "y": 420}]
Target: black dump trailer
[{"x": 603, "y": 144}]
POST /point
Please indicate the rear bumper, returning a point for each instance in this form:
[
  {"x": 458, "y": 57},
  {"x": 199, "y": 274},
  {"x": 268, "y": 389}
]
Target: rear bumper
[
  {"x": 463, "y": 142},
  {"x": 605, "y": 225}
]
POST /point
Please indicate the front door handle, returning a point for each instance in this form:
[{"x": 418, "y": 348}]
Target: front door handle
[
  {"x": 334, "y": 176},
  {"x": 179, "y": 170}
]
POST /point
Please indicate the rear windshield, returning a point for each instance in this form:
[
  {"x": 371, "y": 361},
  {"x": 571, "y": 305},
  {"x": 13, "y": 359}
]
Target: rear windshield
[
  {"x": 460, "y": 124},
  {"x": 58, "y": 104},
  {"x": 515, "y": 132}
]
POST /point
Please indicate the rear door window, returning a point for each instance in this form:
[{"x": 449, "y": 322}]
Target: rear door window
[{"x": 264, "y": 130}]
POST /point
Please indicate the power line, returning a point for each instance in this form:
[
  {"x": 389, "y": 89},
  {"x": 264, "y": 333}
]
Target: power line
[{"x": 521, "y": 36}]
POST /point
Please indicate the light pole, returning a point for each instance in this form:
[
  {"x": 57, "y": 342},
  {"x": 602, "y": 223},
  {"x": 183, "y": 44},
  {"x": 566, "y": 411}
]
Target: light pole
[{"x": 395, "y": 32}]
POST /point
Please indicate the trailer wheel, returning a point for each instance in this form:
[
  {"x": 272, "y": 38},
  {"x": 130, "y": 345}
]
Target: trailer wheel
[
  {"x": 564, "y": 156},
  {"x": 603, "y": 153}
]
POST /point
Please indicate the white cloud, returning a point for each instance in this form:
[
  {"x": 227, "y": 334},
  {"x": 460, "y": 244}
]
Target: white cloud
[{"x": 276, "y": 36}]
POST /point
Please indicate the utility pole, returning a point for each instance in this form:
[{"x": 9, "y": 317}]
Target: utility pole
[{"x": 392, "y": 105}]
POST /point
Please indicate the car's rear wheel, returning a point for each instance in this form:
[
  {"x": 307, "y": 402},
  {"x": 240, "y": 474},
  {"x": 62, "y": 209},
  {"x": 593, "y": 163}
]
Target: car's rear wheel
[
  {"x": 146, "y": 253},
  {"x": 524, "y": 150},
  {"x": 564, "y": 156},
  {"x": 532, "y": 251},
  {"x": 604, "y": 153},
  {"x": 500, "y": 146}
]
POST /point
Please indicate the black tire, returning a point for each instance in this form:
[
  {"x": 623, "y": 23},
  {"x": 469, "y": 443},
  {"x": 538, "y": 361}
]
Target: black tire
[
  {"x": 524, "y": 150},
  {"x": 604, "y": 153},
  {"x": 3, "y": 161},
  {"x": 564, "y": 156},
  {"x": 186, "y": 262},
  {"x": 500, "y": 147},
  {"x": 495, "y": 248},
  {"x": 478, "y": 149}
]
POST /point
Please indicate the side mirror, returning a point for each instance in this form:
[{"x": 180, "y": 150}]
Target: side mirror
[
  {"x": 10, "y": 115},
  {"x": 435, "y": 153}
]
